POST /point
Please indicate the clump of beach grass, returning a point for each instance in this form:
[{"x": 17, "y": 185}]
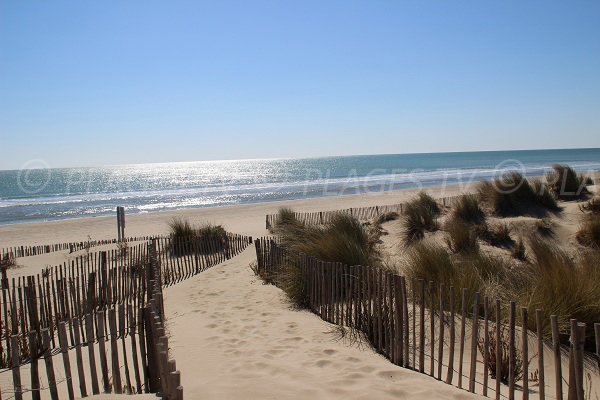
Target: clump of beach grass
[
  {"x": 185, "y": 237},
  {"x": 592, "y": 206},
  {"x": 467, "y": 209},
  {"x": 519, "y": 251},
  {"x": 461, "y": 237},
  {"x": 562, "y": 286},
  {"x": 513, "y": 194},
  {"x": 498, "y": 235},
  {"x": 589, "y": 231},
  {"x": 420, "y": 216},
  {"x": 565, "y": 183},
  {"x": 344, "y": 240}
]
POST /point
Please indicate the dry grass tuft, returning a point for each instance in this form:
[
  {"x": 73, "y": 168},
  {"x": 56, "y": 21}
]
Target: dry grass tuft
[
  {"x": 592, "y": 206},
  {"x": 514, "y": 195},
  {"x": 420, "y": 216},
  {"x": 589, "y": 231},
  {"x": 208, "y": 238},
  {"x": 503, "y": 342},
  {"x": 565, "y": 183},
  {"x": 467, "y": 209},
  {"x": 461, "y": 237}
]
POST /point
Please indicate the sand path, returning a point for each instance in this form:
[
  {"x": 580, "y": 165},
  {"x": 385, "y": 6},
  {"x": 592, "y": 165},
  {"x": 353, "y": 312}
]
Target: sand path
[{"x": 235, "y": 338}]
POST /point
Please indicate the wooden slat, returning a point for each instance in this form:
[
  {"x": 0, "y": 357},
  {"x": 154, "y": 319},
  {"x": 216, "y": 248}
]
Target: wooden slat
[
  {"x": 540, "y": 346},
  {"x": 498, "y": 347},
  {"x": 525, "y": 353},
  {"x": 89, "y": 326},
  {"x": 463, "y": 324},
  {"x": 15, "y": 359},
  {"x": 451, "y": 344},
  {"x": 474, "y": 339},
  {"x": 79, "y": 359},
  {"x": 102, "y": 351},
  {"x": 441, "y": 336},
  {"x": 557, "y": 357},
  {"x": 512, "y": 353},
  {"x": 49, "y": 365},
  {"x": 64, "y": 349}
]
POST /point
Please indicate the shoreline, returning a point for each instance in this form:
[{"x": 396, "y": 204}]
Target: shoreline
[{"x": 246, "y": 219}]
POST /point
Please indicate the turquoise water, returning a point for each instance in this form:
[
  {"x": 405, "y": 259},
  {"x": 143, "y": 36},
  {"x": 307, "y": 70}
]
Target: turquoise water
[{"x": 51, "y": 194}]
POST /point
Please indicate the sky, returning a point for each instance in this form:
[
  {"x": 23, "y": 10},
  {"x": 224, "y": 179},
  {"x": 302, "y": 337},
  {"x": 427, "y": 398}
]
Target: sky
[{"x": 86, "y": 83}]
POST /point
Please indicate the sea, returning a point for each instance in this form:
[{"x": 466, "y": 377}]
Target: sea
[{"x": 43, "y": 194}]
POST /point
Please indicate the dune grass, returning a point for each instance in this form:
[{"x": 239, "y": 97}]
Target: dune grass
[
  {"x": 565, "y": 183},
  {"x": 344, "y": 239},
  {"x": 208, "y": 238},
  {"x": 589, "y": 231},
  {"x": 467, "y": 209},
  {"x": 419, "y": 216},
  {"x": 562, "y": 285},
  {"x": 498, "y": 234},
  {"x": 592, "y": 206},
  {"x": 461, "y": 237},
  {"x": 514, "y": 195}
]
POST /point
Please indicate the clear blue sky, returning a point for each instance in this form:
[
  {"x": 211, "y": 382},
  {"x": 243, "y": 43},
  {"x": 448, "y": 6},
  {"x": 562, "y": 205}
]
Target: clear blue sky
[{"x": 111, "y": 82}]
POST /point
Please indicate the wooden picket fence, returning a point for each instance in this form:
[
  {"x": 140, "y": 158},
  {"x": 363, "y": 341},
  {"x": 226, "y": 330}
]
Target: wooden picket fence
[
  {"x": 415, "y": 325},
  {"x": 146, "y": 351},
  {"x": 28, "y": 251},
  {"x": 361, "y": 213},
  {"x": 95, "y": 283}
]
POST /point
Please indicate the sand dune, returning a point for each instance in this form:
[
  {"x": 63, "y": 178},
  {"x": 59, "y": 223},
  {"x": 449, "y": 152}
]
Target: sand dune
[{"x": 234, "y": 337}]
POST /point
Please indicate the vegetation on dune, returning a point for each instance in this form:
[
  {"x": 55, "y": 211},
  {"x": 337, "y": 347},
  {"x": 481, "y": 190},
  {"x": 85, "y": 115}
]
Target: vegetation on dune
[
  {"x": 592, "y": 206},
  {"x": 589, "y": 231},
  {"x": 467, "y": 209},
  {"x": 344, "y": 240},
  {"x": 386, "y": 217},
  {"x": 503, "y": 342},
  {"x": 563, "y": 286},
  {"x": 518, "y": 250},
  {"x": 514, "y": 195},
  {"x": 565, "y": 183},
  {"x": 208, "y": 238},
  {"x": 419, "y": 216},
  {"x": 7, "y": 262},
  {"x": 498, "y": 235},
  {"x": 461, "y": 237}
]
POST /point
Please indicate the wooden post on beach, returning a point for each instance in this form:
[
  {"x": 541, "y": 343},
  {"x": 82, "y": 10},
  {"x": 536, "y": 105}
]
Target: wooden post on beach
[
  {"x": 557, "y": 357},
  {"x": 512, "y": 355},
  {"x": 474, "y": 341},
  {"x": 540, "y": 343},
  {"x": 463, "y": 324},
  {"x": 525, "y": 353},
  {"x": 120, "y": 224}
]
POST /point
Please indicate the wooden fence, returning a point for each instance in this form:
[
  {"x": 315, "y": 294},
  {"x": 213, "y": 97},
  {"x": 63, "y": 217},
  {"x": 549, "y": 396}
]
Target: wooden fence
[
  {"x": 361, "y": 213},
  {"x": 27, "y": 251},
  {"x": 96, "y": 282},
  {"x": 136, "y": 361},
  {"x": 415, "y": 325}
]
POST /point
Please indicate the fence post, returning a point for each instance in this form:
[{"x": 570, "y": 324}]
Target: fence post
[
  {"x": 512, "y": 356},
  {"x": 525, "y": 353},
  {"x": 474, "y": 338},
  {"x": 557, "y": 357},
  {"x": 16, "y": 371},
  {"x": 540, "y": 343}
]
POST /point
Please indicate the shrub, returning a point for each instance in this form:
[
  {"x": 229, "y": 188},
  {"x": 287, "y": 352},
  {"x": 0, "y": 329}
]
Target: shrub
[
  {"x": 503, "y": 342},
  {"x": 592, "y": 206},
  {"x": 7, "y": 262},
  {"x": 467, "y": 209},
  {"x": 420, "y": 215},
  {"x": 565, "y": 183},
  {"x": 514, "y": 195},
  {"x": 589, "y": 231},
  {"x": 461, "y": 237}
]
